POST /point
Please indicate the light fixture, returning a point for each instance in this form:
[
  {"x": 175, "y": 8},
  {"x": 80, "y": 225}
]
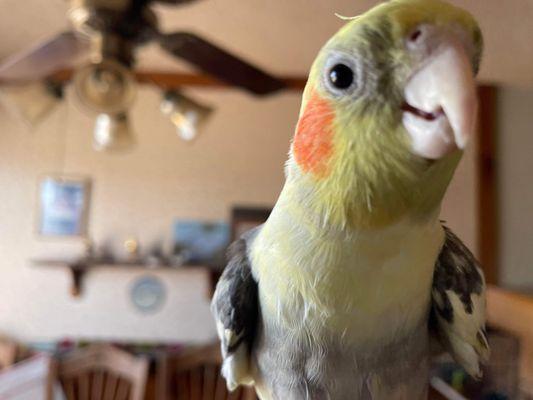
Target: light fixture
[
  {"x": 112, "y": 133},
  {"x": 106, "y": 87},
  {"x": 32, "y": 101},
  {"x": 187, "y": 115}
]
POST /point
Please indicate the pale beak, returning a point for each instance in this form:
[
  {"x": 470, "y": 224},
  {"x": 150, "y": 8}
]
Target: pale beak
[{"x": 440, "y": 112}]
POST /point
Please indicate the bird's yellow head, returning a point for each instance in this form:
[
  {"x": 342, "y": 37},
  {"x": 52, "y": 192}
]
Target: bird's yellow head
[{"x": 389, "y": 105}]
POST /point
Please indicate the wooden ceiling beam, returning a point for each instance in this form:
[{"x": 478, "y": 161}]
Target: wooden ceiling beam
[{"x": 170, "y": 80}]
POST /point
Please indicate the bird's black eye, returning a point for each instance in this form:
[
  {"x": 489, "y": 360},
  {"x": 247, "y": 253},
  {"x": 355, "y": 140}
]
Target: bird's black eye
[{"x": 341, "y": 76}]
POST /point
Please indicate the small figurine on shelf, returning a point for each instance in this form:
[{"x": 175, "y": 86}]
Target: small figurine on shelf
[
  {"x": 181, "y": 255},
  {"x": 88, "y": 248},
  {"x": 131, "y": 245},
  {"x": 156, "y": 257},
  {"x": 105, "y": 254}
]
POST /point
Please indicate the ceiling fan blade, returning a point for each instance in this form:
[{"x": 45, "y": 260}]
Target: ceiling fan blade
[
  {"x": 45, "y": 58},
  {"x": 219, "y": 63}
]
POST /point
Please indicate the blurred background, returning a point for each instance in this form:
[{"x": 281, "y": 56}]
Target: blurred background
[{"x": 129, "y": 159}]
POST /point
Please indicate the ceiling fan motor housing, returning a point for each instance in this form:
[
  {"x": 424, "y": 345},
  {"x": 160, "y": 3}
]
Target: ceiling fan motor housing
[
  {"x": 106, "y": 87},
  {"x": 132, "y": 20}
]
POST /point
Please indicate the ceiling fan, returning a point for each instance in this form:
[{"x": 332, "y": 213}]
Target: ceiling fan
[
  {"x": 111, "y": 30},
  {"x": 100, "y": 49}
]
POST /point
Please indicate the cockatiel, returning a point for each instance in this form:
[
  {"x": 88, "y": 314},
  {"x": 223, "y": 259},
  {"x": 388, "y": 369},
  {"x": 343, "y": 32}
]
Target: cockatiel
[{"x": 337, "y": 294}]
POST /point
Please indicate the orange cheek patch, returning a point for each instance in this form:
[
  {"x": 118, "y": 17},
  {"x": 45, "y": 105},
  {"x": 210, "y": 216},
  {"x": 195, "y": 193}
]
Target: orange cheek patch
[{"x": 312, "y": 144}]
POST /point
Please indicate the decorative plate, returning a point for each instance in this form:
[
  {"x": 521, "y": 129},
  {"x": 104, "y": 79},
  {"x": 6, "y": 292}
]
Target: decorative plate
[{"x": 148, "y": 294}]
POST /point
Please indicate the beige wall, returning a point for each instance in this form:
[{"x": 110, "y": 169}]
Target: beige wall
[
  {"x": 515, "y": 150},
  {"x": 239, "y": 159}
]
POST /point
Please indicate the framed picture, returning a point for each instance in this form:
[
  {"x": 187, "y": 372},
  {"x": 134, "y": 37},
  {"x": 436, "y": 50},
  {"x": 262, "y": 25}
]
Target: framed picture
[
  {"x": 245, "y": 218},
  {"x": 201, "y": 242},
  {"x": 63, "y": 203}
]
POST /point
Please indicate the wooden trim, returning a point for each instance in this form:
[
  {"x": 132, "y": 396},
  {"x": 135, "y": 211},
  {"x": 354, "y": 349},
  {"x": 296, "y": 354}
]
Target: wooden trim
[
  {"x": 487, "y": 219},
  {"x": 247, "y": 216},
  {"x": 79, "y": 268},
  {"x": 162, "y": 377},
  {"x": 168, "y": 80}
]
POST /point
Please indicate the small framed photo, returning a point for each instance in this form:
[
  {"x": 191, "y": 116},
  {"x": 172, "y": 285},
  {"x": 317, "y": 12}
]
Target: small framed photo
[
  {"x": 63, "y": 203},
  {"x": 201, "y": 242},
  {"x": 245, "y": 218}
]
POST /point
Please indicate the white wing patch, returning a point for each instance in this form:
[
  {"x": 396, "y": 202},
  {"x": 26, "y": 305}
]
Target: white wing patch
[
  {"x": 466, "y": 333},
  {"x": 236, "y": 368}
]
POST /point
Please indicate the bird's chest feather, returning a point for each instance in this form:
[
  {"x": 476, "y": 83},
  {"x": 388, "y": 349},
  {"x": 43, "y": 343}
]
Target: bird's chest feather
[{"x": 359, "y": 285}]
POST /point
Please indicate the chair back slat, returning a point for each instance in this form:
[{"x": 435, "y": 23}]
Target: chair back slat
[
  {"x": 123, "y": 389},
  {"x": 210, "y": 376},
  {"x": 83, "y": 386},
  {"x": 110, "y": 387},
  {"x": 68, "y": 389},
  {"x": 196, "y": 384},
  {"x": 234, "y": 395},
  {"x": 220, "y": 391},
  {"x": 248, "y": 394},
  {"x": 183, "y": 385},
  {"x": 97, "y": 385}
]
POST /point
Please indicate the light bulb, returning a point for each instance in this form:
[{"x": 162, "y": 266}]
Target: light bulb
[
  {"x": 112, "y": 133},
  {"x": 186, "y": 114}
]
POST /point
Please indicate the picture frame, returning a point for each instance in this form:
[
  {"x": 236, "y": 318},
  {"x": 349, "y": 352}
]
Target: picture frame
[
  {"x": 244, "y": 218},
  {"x": 201, "y": 242},
  {"x": 63, "y": 206}
]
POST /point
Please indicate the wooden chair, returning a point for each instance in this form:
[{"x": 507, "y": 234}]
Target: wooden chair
[
  {"x": 102, "y": 372},
  {"x": 194, "y": 374},
  {"x": 32, "y": 379}
]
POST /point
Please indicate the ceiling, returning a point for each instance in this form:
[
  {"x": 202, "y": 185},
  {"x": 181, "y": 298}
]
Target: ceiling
[{"x": 284, "y": 36}]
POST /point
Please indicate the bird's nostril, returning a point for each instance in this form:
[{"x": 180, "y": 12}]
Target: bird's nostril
[{"x": 415, "y": 35}]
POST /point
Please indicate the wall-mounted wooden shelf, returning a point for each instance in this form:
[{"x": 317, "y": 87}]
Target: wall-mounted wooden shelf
[{"x": 79, "y": 267}]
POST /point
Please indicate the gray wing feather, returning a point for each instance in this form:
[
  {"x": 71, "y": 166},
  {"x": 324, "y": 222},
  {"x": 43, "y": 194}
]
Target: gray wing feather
[
  {"x": 235, "y": 308},
  {"x": 458, "y": 305}
]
